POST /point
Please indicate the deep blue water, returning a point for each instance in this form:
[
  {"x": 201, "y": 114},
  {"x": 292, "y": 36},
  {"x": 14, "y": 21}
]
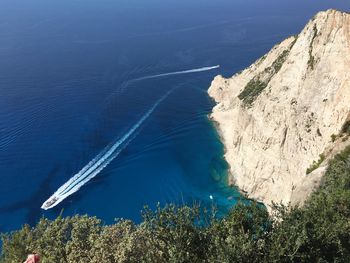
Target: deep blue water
[{"x": 65, "y": 94}]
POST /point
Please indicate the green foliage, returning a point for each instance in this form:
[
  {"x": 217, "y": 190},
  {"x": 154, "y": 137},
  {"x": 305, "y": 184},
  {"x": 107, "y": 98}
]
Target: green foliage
[
  {"x": 251, "y": 91},
  {"x": 278, "y": 63},
  {"x": 320, "y": 231},
  {"x": 240, "y": 236},
  {"x": 346, "y": 127},
  {"x": 311, "y": 61},
  {"x": 317, "y": 232},
  {"x": 333, "y": 137},
  {"x": 327, "y": 213},
  {"x": 256, "y": 85},
  {"x": 316, "y": 164},
  {"x": 176, "y": 234}
]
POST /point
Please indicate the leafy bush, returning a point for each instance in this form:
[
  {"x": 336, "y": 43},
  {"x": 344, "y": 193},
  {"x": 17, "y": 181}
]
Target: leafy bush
[
  {"x": 316, "y": 164},
  {"x": 346, "y": 127},
  {"x": 251, "y": 91},
  {"x": 256, "y": 85},
  {"x": 333, "y": 137},
  {"x": 311, "y": 61},
  {"x": 278, "y": 63}
]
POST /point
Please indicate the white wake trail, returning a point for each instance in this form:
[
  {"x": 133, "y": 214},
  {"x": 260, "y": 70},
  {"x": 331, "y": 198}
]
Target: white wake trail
[
  {"x": 189, "y": 71},
  {"x": 96, "y": 165},
  {"x": 178, "y": 73}
]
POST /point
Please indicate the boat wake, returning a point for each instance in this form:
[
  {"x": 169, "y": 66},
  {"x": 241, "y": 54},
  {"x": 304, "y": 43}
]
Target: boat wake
[
  {"x": 178, "y": 73},
  {"x": 97, "y": 164},
  {"x": 189, "y": 71}
]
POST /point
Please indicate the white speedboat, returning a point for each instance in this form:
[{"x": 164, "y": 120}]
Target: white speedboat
[{"x": 49, "y": 203}]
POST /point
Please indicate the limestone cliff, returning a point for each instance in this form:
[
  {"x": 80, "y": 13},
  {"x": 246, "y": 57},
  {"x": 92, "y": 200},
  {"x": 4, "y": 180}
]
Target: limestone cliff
[{"x": 287, "y": 110}]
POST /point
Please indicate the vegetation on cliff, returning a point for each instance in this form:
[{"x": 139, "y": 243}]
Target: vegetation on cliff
[
  {"x": 256, "y": 85},
  {"x": 318, "y": 232}
]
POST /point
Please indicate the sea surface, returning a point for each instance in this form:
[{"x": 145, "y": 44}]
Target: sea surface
[{"x": 77, "y": 76}]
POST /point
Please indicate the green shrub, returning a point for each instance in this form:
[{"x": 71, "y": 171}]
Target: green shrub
[
  {"x": 311, "y": 61},
  {"x": 256, "y": 85},
  {"x": 346, "y": 127},
  {"x": 278, "y": 63},
  {"x": 333, "y": 137},
  {"x": 316, "y": 164},
  {"x": 251, "y": 91}
]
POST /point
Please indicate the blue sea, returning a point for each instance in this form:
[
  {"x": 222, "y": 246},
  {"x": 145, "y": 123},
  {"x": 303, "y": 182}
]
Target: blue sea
[{"x": 77, "y": 76}]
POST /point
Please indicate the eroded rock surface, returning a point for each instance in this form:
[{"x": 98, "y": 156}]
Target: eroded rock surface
[{"x": 278, "y": 116}]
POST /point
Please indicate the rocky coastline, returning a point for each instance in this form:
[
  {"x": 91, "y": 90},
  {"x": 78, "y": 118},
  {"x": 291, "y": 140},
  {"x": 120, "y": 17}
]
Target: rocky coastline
[{"x": 286, "y": 115}]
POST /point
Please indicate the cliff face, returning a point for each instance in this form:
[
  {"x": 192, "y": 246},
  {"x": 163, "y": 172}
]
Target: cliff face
[{"x": 279, "y": 115}]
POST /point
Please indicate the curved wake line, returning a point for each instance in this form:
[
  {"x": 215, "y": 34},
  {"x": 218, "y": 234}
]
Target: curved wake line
[
  {"x": 178, "y": 73},
  {"x": 97, "y": 164},
  {"x": 189, "y": 71}
]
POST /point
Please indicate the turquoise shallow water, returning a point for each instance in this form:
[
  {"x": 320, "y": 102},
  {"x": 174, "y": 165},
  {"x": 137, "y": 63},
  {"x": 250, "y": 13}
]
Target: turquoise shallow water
[{"x": 68, "y": 89}]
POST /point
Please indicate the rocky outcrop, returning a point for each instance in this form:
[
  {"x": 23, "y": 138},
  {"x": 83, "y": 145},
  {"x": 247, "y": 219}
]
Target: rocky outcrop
[{"x": 287, "y": 111}]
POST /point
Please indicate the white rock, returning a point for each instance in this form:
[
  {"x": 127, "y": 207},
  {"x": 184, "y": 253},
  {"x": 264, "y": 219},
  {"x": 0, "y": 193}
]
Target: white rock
[{"x": 270, "y": 144}]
